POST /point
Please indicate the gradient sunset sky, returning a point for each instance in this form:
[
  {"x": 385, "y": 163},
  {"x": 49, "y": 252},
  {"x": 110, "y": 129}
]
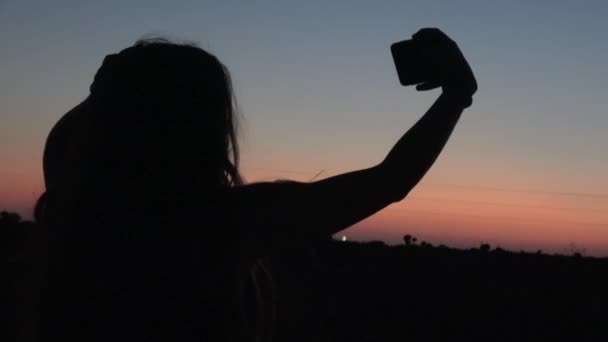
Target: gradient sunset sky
[{"x": 525, "y": 169}]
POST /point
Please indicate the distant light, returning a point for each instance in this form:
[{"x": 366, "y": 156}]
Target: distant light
[{"x": 344, "y": 238}]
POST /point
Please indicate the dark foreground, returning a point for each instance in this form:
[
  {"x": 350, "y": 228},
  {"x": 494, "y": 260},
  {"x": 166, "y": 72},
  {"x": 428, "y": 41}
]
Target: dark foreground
[
  {"x": 347, "y": 291},
  {"x": 372, "y": 292}
]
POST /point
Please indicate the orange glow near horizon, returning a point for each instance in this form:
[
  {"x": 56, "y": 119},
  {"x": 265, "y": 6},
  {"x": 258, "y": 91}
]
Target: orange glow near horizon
[
  {"x": 21, "y": 186},
  {"x": 513, "y": 220},
  {"x": 465, "y": 216},
  {"x": 453, "y": 215}
]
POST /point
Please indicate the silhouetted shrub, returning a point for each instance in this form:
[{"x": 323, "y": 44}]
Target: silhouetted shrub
[{"x": 407, "y": 239}]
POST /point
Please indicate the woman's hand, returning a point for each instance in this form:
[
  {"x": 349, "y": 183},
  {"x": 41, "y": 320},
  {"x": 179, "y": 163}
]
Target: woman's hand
[{"x": 450, "y": 70}]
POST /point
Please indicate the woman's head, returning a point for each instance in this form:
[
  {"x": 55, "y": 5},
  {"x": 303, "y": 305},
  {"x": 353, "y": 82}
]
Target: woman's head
[
  {"x": 161, "y": 116},
  {"x": 159, "y": 123},
  {"x": 174, "y": 105}
]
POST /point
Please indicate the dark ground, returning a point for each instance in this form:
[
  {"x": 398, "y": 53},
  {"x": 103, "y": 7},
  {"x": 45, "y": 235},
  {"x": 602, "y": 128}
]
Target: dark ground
[
  {"x": 373, "y": 292},
  {"x": 349, "y": 291}
]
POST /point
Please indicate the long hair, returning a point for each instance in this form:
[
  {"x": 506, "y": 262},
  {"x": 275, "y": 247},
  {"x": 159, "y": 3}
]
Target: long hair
[
  {"x": 159, "y": 79},
  {"x": 157, "y": 110},
  {"x": 160, "y": 123}
]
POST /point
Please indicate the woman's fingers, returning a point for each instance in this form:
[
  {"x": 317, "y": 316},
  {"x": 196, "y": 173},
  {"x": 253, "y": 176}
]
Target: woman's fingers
[
  {"x": 428, "y": 86},
  {"x": 427, "y": 31},
  {"x": 431, "y": 34},
  {"x": 450, "y": 68}
]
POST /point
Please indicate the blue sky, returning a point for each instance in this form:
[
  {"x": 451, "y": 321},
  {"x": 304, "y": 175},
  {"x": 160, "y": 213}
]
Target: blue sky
[{"x": 318, "y": 90}]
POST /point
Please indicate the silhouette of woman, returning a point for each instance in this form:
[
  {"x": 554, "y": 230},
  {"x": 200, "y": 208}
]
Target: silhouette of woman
[{"x": 152, "y": 235}]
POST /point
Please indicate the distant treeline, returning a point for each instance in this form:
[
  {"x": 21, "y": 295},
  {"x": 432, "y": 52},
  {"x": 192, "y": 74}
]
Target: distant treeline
[{"x": 368, "y": 291}]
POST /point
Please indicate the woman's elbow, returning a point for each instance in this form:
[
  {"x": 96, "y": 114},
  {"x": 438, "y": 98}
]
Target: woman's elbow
[
  {"x": 395, "y": 186},
  {"x": 398, "y": 195}
]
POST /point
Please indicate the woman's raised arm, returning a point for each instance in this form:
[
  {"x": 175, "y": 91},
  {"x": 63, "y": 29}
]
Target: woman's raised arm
[{"x": 273, "y": 213}]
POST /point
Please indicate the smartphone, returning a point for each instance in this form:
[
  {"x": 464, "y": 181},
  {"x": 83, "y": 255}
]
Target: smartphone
[{"x": 413, "y": 61}]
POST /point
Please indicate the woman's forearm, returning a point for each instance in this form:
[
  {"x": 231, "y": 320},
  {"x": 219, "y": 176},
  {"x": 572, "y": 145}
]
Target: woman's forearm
[
  {"x": 326, "y": 206},
  {"x": 414, "y": 154}
]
